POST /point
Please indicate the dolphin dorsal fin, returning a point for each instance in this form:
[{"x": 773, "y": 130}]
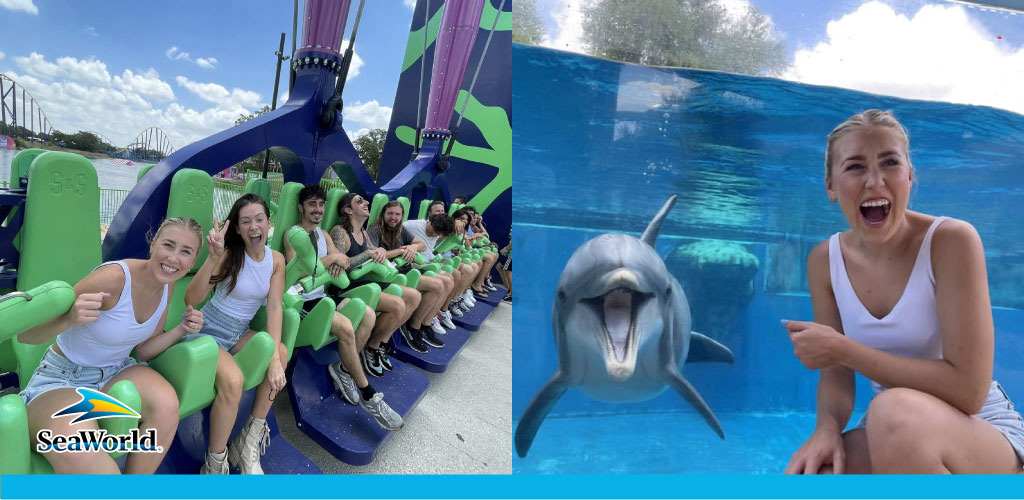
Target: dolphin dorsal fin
[{"x": 651, "y": 233}]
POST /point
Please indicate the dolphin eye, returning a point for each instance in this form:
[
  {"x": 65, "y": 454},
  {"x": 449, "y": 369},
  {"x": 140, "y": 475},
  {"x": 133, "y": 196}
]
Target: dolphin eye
[
  {"x": 668, "y": 291},
  {"x": 561, "y": 295}
]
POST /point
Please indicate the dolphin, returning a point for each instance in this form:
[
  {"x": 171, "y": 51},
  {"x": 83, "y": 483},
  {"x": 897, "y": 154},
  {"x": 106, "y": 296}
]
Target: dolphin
[{"x": 622, "y": 329}]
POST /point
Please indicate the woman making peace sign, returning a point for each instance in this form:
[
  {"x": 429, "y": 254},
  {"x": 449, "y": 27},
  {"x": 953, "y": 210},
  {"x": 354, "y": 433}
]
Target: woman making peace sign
[{"x": 247, "y": 274}]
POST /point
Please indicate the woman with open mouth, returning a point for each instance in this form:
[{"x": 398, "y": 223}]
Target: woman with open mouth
[
  {"x": 247, "y": 274},
  {"x": 902, "y": 298},
  {"x": 119, "y": 306}
]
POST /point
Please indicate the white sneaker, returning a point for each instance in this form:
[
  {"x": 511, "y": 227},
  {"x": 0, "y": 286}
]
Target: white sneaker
[
  {"x": 453, "y": 308},
  {"x": 468, "y": 298},
  {"x": 213, "y": 466},
  {"x": 435, "y": 325},
  {"x": 382, "y": 413},
  {"x": 245, "y": 450},
  {"x": 462, "y": 304},
  {"x": 446, "y": 320}
]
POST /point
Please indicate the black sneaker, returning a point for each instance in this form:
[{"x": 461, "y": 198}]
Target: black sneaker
[
  {"x": 507, "y": 298},
  {"x": 430, "y": 338},
  {"x": 370, "y": 362},
  {"x": 382, "y": 356},
  {"x": 412, "y": 339}
]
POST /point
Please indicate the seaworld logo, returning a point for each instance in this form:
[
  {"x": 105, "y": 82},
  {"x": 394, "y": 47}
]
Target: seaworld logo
[{"x": 96, "y": 405}]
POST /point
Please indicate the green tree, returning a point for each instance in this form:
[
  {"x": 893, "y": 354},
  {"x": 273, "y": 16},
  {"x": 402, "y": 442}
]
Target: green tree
[
  {"x": 684, "y": 33},
  {"x": 370, "y": 147},
  {"x": 527, "y": 26}
]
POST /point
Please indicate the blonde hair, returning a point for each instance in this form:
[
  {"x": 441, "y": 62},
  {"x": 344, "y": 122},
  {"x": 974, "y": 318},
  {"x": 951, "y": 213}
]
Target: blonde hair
[
  {"x": 185, "y": 223},
  {"x": 869, "y": 118}
]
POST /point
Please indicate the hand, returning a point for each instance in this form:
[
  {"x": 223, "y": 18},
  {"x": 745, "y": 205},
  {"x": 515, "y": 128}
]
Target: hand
[
  {"x": 342, "y": 260},
  {"x": 86, "y": 308},
  {"x": 215, "y": 239},
  {"x": 822, "y": 448},
  {"x": 409, "y": 254},
  {"x": 275, "y": 375},
  {"x": 378, "y": 254},
  {"x": 504, "y": 251},
  {"x": 817, "y": 346},
  {"x": 192, "y": 320},
  {"x": 335, "y": 270},
  {"x": 460, "y": 227}
]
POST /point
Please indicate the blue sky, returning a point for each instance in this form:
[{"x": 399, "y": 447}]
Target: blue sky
[
  {"x": 189, "y": 67},
  {"x": 919, "y": 49}
]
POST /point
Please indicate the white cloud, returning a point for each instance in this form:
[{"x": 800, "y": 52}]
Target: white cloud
[
  {"x": 939, "y": 53},
  {"x": 410, "y": 3},
  {"x": 568, "y": 28},
  {"x": 75, "y": 96},
  {"x": 25, "y": 5},
  {"x": 367, "y": 115},
  {"x": 88, "y": 71},
  {"x": 206, "y": 62},
  {"x": 146, "y": 84},
  {"x": 89, "y": 30},
  {"x": 220, "y": 96},
  {"x": 2, "y": 54},
  {"x": 175, "y": 54}
]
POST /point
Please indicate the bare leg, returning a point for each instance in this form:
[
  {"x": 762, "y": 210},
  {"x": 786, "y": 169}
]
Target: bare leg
[
  {"x": 485, "y": 269},
  {"x": 411, "y": 299},
  {"x": 391, "y": 311},
  {"x": 159, "y": 411},
  {"x": 264, "y": 397},
  {"x": 912, "y": 432},
  {"x": 348, "y": 348},
  {"x": 40, "y": 411},
  {"x": 430, "y": 289},
  {"x": 224, "y": 409}
]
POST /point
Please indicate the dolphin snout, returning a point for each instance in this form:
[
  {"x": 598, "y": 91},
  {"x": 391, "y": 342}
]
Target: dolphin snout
[{"x": 621, "y": 278}]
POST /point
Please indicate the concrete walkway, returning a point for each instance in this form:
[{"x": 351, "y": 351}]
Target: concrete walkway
[{"x": 461, "y": 426}]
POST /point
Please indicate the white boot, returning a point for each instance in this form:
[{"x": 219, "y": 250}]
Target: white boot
[
  {"x": 245, "y": 450},
  {"x": 214, "y": 465}
]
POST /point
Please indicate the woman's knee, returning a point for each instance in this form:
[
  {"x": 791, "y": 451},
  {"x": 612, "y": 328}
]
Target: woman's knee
[
  {"x": 229, "y": 378},
  {"x": 897, "y": 415}
]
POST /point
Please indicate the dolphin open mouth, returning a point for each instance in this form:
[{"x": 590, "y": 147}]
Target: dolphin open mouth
[{"x": 617, "y": 309}]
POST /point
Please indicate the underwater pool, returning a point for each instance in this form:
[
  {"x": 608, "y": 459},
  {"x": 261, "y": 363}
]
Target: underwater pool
[{"x": 600, "y": 145}]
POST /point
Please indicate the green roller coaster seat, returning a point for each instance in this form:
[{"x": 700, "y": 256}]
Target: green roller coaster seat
[
  {"x": 143, "y": 171},
  {"x": 262, "y": 188},
  {"x": 424, "y": 206},
  {"x": 334, "y": 196},
  {"x": 376, "y": 205}
]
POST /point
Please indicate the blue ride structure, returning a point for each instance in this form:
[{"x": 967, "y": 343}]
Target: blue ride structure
[{"x": 307, "y": 136}]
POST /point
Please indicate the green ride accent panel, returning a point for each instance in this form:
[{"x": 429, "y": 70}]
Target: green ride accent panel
[
  {"x": 62, "y": 187},
  {"x": 379, "y": 200},
  {"x": 405, "y": 207},
  {"x": 191, "y": 196},
  {"x": 48, "y": 301},
  {"x": 331, "y": 208},
  {"x": 287, "y": 214},
  {"x": 143, "y": 171}
]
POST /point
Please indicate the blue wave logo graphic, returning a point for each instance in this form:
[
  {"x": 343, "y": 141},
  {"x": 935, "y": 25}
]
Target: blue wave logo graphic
[{"x": 94, "y": 405}]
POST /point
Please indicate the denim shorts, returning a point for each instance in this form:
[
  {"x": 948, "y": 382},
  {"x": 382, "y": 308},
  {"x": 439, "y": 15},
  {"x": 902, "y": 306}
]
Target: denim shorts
[
  {"x": 224, "y": 328},
  {"x": 57, "y": 372},
  {"x": 999, "y": 412}
]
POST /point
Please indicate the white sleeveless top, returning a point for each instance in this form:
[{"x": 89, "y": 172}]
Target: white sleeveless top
[
  {"x": 911, "y": 329},
  {"x": 321, "y": 251},
  {"x": 251, "y": 291},
  {"x": 110, "y": 340}
]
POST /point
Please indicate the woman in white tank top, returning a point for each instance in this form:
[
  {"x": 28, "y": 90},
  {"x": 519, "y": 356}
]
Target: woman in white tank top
[
  {"x": 119, "y": 306},
  {"x": 247, "y": 274},
  {"x": 910, "y": 293}
]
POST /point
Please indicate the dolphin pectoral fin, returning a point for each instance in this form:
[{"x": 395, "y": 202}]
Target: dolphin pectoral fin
[
  {"x": 530, "y": 422},
  {"x": 676, "y": 380},
  {"x": 704, "y": 348}
]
